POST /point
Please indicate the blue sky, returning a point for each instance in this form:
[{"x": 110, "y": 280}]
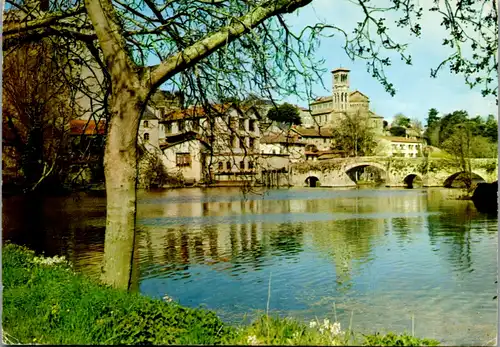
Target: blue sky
[{"x": 416, "y": 91}]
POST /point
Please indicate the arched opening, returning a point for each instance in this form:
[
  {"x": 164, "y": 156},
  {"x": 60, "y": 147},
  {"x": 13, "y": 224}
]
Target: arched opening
[
  {"x": 459, "y": 180},
  {"x": 413, "y": 181},
  {"x": 366, "y": 174},
  {"x": 312, "y": 181}
]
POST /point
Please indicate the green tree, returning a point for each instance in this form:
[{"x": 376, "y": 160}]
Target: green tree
[
  {"x": 459, "y": 144},
  {"x": 398, "y": 131},
  {"x": 433, "y": 127},
  {"x": 491, "y": 128},
  {"x": 400, "y": 120},
  {"x": 353, "y": 134},
  {"x": 449, "y": 122},
  {"x": 285, "y": 113}
]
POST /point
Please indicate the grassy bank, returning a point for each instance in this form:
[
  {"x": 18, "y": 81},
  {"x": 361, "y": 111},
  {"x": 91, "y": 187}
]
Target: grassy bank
[{"x": 45, "y": 302}]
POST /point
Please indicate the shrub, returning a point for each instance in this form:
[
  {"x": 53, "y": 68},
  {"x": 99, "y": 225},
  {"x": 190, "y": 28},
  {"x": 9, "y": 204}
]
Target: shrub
[{"x": 392, "y": 339}]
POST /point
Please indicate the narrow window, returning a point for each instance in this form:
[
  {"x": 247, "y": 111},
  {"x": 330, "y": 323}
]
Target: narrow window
[
  {"x": 146, "y": 137},
  {"x": 221, "y": 166},
  {"x": 169, "y": 128},
  {"x": 228, "y": 165},
  {"x": 183, "y": 159},
  {"x": 242, "y": 165},
  {"x": 146, "y": 124},
  {"x": 250, "y": 165},
  {"x": 251, "y": 125},
  {"x": 242, "y": 142},
  {"x": 181, "y": 125}
]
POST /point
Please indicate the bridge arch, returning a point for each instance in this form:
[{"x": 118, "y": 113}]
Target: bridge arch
[
  {"x": 312, "y": 181},
  {"x": 411, "y": 179},
  {"x": 454, "y": 180},
  {"x": 351, "y": 169}
]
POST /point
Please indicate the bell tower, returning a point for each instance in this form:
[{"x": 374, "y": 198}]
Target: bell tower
[{"x": 340, "y": 77}]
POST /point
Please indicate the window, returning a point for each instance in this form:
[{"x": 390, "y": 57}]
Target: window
[
  {"x": 252, "y": 143},
  {"x": 251, "y": 125},
  {"x": 242, "y": 142},
  {"x": 183, "y": 159},
  {"x": 274, "y": 151},
  {"x": 146, "y": 136},
  {"x": 242, "y": 124},
  {"x": 221, "y": 166},
  {"x": 146, "y": 124},
  {"x": 250, "y": 165},
  {"x": 231, "y": 141},
  {"x": 242, "y": 165},
  {"x": 182, "y": 125},
  {"x": 228, "y": 165},
  {"x": 169, "y": 128}
]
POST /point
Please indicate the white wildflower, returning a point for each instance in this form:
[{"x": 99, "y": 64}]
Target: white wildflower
[
  {"x": 167, "y": 298},
  {"x": 312, "y": 324},
  {"x": 321, "y": 330},
  {"x": 55, "y": 260},
  {"x": 252, "y": 340},
  {"x": 335, "y": 329},
  {"x": 326, "y": 323},
  {"x": 295, "y": 334}
]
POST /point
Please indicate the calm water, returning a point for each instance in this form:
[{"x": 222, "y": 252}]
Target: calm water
[{"x": 381, "y": 255}]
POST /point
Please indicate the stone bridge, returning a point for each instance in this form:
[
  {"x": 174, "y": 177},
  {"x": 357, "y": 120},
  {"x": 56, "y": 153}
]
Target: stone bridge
[{"x": 397, "y": 172}]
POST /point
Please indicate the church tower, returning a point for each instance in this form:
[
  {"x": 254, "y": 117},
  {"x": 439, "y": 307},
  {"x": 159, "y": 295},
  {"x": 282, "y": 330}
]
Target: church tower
[{"x": 340, "y": 84}]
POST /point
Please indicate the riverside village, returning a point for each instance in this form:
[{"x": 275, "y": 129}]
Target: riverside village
[{"x": 229, "y": 172}]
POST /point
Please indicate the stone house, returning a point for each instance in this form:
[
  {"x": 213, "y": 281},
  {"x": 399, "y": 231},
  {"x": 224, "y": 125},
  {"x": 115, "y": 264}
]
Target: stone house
[
  {"x": 184, "y": 155},
  {"x": 399, "y": 147},
  {"x": 321, "y": 138},
  {"x": 279, "y": 143},
  {"x": 232, "y": 132}
]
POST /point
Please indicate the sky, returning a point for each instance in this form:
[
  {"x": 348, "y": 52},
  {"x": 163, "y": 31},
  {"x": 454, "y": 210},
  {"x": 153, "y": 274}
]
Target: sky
[{"x": 416, "y": 91}]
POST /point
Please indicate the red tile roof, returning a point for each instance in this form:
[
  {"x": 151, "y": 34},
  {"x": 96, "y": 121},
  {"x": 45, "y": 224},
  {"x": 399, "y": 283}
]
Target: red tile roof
[{"x": 87, "y": 127}]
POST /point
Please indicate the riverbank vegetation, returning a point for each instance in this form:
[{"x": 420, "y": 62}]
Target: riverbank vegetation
[{"x": 46, "y": 302}]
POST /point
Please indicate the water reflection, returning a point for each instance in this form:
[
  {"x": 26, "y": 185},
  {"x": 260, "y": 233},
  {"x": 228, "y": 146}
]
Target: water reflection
[{"x": 386, "y": 254}]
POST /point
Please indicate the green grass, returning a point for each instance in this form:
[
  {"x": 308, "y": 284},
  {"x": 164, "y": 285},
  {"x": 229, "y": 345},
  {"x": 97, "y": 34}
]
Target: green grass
[{"x": 50, "y": 304}]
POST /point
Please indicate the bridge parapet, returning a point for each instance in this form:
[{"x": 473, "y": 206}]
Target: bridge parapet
[{"x": 432, "y": 171}]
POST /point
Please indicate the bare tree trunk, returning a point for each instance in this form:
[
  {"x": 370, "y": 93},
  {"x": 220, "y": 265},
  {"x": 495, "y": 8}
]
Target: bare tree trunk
[{"x": 120, "y": 164}]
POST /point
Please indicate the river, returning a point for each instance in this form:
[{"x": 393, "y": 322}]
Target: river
[{"x": 378, "y": 255}]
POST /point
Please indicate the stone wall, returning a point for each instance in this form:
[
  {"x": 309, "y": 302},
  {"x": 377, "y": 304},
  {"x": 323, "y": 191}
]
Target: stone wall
[{"x": 398, "y": 171}]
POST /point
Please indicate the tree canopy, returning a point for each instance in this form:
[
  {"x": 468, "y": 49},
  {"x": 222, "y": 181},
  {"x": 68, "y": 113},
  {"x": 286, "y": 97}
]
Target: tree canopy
[{"x": 285, "y": 113}]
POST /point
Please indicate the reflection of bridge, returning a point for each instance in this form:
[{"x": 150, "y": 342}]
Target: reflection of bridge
[{"x": 397, "y": 172}]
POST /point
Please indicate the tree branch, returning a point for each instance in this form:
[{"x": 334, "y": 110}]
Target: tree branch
[{"x": 203, "y": 48}]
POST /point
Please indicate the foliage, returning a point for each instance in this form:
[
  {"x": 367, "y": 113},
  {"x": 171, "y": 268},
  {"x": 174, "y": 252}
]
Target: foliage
[
  {"x": 392, "y": 339},
  {"x": 400, "y": 120},
  {"x": 397, "y": 131},
  {"x": 459, "y": 144},
  {"x": 285, "y": 113},
  {"x": 45, "y": 302},
  {"x": 354, "y": 135}
]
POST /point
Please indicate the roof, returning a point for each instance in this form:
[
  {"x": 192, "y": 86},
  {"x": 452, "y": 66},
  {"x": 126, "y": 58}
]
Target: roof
[
  {"x": 314, "y": 132},
  {"x": 177, "y": 139},
  {"x": 400, "y": 139},
  {"x": 291, "y": 139},
  {"x": 374, "y": 115},
  {"x": 87, "y": 127},
  {"x": 199, "y": 112},
  {"x": 339, "y": 69},
  {"x": 356, "y": 95},
  {"x": 322, "y": 99},
  {"x": 148, "y": 115}
]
